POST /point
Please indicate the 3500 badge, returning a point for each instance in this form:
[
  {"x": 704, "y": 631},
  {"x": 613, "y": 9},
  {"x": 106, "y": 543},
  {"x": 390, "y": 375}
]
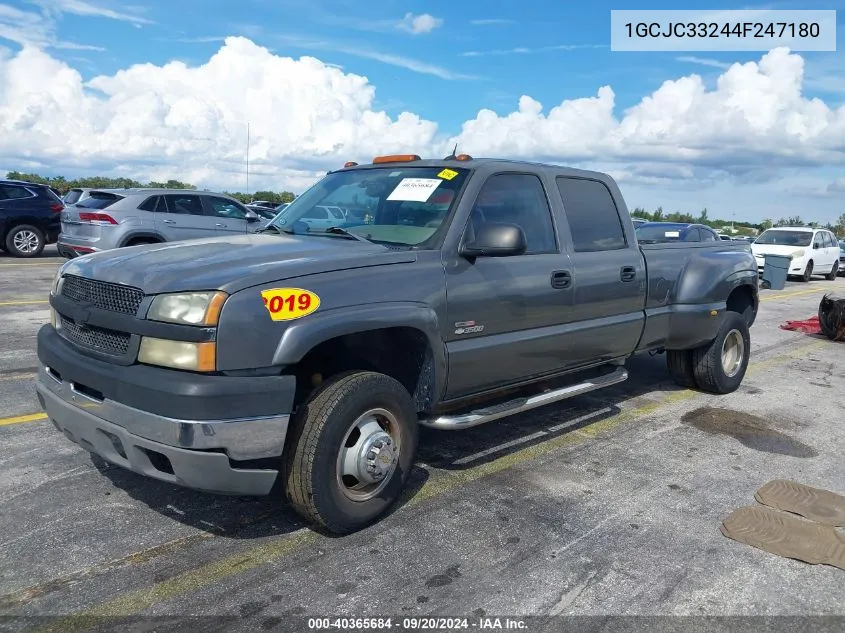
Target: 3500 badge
[{"x": 285, "y": 304}]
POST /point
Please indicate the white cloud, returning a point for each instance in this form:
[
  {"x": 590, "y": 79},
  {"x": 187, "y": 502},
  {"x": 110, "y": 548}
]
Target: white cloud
[
  {"x": 523, "y": 50},
  {"x": 837, "y": 186},
  {"x": 88, "y": 9},
  {"x": 756, "y": 114},
  {"x": 419, "y": 24},
  {"x": 189, "y": 122},
  {"x": 38, "y": 27},
  {"x": 703, "y": 61},
  {"x": 490, "y": 22}
]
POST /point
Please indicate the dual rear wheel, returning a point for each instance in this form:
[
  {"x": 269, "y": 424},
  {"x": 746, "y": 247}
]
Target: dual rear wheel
[{"x": 718, "y": 366}]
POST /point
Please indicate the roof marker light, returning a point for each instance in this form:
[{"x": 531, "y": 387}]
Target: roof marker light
[{"x": 396, "y": 158}]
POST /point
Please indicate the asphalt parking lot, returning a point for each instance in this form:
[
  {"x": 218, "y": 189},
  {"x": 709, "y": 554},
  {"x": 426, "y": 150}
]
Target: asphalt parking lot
[{"x": 602, "y": 505}]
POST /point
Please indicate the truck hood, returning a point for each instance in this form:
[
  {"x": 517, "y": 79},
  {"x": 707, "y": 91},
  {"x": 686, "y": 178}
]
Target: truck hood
[
  {"x": 230, "y": 263},
  {"x": 776, "y": 249}
]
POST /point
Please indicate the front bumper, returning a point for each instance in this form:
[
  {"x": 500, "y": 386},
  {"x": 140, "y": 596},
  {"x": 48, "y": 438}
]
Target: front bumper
[{"x": 135, "y": 417}]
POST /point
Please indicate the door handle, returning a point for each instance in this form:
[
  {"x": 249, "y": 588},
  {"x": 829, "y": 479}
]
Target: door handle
[
  {"x": 221, "y": 225},
  {"x": 628, "y": 273},
  {"x": 169, "y": 221},
  {"x": 561, "y": 279}
]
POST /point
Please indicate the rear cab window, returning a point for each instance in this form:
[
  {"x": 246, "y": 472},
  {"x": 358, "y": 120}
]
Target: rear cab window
[{"x": 594, "y": 221}]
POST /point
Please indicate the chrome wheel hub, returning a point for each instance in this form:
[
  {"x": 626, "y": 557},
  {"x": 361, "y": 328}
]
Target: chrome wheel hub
[
  {"x": 733, "y": 352},
  {"x": 26, "y": 241},
  {"x": 369, "y": 454}
]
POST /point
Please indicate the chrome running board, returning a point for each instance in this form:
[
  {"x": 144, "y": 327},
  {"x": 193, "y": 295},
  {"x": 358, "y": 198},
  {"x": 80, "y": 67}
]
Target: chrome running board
[{"x": 518, "y": 405}]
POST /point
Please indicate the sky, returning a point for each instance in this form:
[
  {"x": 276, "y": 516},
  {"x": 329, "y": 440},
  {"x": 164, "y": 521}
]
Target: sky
[{"x": 185, "y": 89}]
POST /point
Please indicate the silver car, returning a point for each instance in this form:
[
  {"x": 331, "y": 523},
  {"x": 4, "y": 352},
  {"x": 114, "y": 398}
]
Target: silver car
[{"x": 113, "y": 219}]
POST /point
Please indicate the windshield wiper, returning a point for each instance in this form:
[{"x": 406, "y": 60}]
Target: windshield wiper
[
  {"x": 275, "y": 228},
  {"x": 336, "y": 230}
]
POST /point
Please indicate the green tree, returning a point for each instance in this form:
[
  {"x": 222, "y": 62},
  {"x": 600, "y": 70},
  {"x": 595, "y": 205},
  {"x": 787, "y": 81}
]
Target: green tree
[
  {"x": 766, "y": 224},
  {"x": 702, "y": 217}
]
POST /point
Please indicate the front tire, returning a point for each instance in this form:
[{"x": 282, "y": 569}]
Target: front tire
[
  {"x": 808, "y": 272},
  {"x": 25, "y": 241},
  {"x": 353, "y": 444},
  {"x": 720, "y": 366}
]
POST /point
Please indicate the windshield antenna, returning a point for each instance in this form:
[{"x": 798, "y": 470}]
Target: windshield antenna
[{"x": 453, "y": 155}]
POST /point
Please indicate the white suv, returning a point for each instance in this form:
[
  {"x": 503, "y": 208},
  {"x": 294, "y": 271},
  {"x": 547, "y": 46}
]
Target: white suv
[{"x": 813, "y": 251}]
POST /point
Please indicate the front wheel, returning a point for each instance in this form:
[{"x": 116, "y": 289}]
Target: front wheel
[
  {"x": 720, "y": 366},
  {"x": 808, "y": 272},
  {"x": 352, "y": 447}
]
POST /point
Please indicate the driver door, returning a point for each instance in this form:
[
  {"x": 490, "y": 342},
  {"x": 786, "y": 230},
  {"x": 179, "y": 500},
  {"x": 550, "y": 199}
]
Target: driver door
[{"x": 504, "y": 314}]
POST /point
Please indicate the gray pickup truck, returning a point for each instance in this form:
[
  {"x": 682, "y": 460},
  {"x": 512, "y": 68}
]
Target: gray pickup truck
[{"x": 302, "y": 360}]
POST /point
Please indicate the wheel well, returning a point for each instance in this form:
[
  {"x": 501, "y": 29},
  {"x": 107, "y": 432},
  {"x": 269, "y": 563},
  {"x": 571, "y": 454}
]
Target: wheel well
[
  {"x": 400, "y": 352},
  {"x": 742, "y": 301},
  {"x": 142, "y": 239}
]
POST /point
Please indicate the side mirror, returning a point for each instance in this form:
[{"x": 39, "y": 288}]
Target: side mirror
[
  {"x": 252, "y": 216},
  {"x": 496, "y": 239}
]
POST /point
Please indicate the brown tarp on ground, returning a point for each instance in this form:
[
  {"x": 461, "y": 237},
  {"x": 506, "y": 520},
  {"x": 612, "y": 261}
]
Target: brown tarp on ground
[
  {"x": 821, "y": 506},
  {"x": 786, "y": 535}
]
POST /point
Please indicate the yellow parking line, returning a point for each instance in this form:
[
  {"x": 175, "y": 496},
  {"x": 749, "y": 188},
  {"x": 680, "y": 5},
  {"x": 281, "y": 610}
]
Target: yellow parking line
[
  {"x": 32, "y": 264},
  {"x": 786, "y": 295},
  {"x": 23, "y": 303},
  {"x": 20, "y": 419},
  {"x": 139, "y": 600}
]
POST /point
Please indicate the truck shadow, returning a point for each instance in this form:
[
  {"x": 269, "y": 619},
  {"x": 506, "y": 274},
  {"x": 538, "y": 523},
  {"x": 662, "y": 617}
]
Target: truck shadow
[
  {"x": 473, "y": 447},
  {"x": 257, "y": 517}
]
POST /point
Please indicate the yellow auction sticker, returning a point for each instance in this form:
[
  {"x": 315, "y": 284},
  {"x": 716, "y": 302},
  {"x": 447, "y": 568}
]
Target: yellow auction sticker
[
  {"x": 447, "y": 174},
  {"x": 285, "y": 304}
]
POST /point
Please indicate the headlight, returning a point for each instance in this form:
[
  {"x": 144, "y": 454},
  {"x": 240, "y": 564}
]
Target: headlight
[
  {"x": 192, "y": 308},
  {"x": 54, "y": 289},
  {"x": 799, "y": 253},
  {"x": 178, "y": 354}
]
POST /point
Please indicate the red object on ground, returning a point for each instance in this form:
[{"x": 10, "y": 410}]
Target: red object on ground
[{"x": 810, "y": 326}]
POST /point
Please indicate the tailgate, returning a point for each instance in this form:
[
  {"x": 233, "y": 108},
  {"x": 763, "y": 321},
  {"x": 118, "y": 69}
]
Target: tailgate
[{"x": 73, "y": 226}]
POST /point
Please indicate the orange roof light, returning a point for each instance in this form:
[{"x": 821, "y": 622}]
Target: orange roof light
[
  {"x": 396, "y": 158},
  {"x": 463, "y": 157},
  {"x": 350, "y": 163}
]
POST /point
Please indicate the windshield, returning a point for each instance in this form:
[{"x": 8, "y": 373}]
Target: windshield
[
  {"x": 654, "y": 234},
  {"x": 392, "y": 205},
  {"x": 264, "y": 212},
  {"x": 785, "y": 238}
]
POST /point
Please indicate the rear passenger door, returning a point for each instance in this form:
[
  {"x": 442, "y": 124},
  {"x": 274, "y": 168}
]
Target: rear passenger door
[
  {"x": 229, "y": 217},
  {"x": 185, "y": 218},
  {"x": 608, "y": 275},
  {"x": 831, "y": 250}
]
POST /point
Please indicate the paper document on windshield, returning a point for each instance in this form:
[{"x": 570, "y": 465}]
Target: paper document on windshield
[
  {"x": 672, "y": 234},
  {"x": 414, "y": 189}
]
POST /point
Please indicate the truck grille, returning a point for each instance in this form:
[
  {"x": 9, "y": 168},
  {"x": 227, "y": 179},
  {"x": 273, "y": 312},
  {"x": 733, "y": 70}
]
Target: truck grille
[
  {"x": 95, "y": 338},
  {"x": 102, "y": 294}
]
